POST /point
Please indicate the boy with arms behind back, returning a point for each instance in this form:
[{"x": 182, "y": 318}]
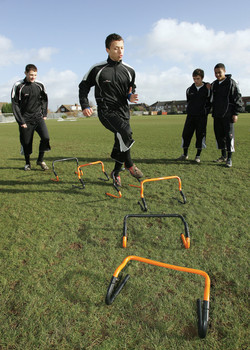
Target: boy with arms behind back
[
  {"x": 198, "y": 106},
  {"x": 226, "y": 104}
]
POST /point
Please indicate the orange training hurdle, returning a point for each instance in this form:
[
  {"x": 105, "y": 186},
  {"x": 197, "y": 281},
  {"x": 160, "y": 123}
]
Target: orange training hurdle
[
  {"x": 79, "y": 172},
  {"x": 202, "y": 313},
  {"x": 143, "y": 205}
]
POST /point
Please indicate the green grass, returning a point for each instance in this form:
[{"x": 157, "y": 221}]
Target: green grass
[{"x": 61, "y": 245}]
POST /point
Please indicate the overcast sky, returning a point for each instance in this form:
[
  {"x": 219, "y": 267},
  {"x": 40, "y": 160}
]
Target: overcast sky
[{"x": 165, "y": 41}]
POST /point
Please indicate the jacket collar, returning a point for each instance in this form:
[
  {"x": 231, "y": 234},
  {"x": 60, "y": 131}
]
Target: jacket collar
[{"x": 113, "y": 63}]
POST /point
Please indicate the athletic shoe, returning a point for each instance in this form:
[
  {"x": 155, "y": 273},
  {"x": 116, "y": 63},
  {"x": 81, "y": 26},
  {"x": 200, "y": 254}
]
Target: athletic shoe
[
  {"x": 27, "y": 167},
  {"x": 135, "y": 172},
  {"x": 221, "y": 160},
  {"x": 229, "y": 163},
  {"x": 182, "y": 157},
  {"x": 43, "y": 165},
  {"x": 116, "y": 179},
  {"x": 197, "y": 159}
]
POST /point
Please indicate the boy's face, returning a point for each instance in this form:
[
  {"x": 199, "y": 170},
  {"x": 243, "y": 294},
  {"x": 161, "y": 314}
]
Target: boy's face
[
  {"x": 198, "y": 80},
  {"x": 116, "y": 50},
  {"x": 31, "y": 76},
  {"x": 220, "y": 73}
]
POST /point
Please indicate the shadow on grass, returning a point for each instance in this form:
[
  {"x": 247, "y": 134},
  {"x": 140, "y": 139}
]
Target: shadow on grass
[
  {"x": 84, "y": 196},
  {"x": 83, "y": 160},
  {"x": 37, "y": 169},
  {"x": 80, "y": 159}
]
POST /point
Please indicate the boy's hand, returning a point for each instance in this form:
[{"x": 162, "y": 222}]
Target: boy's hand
[
  {"x": 23, "y": 126},
  {"x": 132, "y": 97},
  {"x": 87, "y": 112},
  {"x": 234, "y": 118}
]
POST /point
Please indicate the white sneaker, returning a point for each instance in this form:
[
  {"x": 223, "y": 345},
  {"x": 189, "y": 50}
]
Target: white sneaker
[
  {"x": 182, "y": 157},
  {"x": 27, "y": 167},
  {"x": 43, "y": 165},
  {"x": 197, "y": 159},
  {"x": 221, "y": 159}
]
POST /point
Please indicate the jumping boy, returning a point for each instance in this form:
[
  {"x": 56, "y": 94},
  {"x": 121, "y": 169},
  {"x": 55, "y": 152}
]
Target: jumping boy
[
  {"x": 114, "y": 83},
  {"x": 198, "y": 105},
  {"x": 30, "y": 103},
  {"x": 226, "y": 104}
]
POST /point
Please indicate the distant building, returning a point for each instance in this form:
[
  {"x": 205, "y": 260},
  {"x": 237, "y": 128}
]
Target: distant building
[
  {"x": 179, "y": 106},
  {"x": 69, "y": 108},
  {"x": 246, "y": 101},
  {"x": 139, "y": 106},
  {"x": 161, "y": 107},
  {"x": 174, "y": 107}
]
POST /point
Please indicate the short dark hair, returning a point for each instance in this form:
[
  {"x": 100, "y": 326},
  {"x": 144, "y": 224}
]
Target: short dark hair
[
  {"x": 199, "y": 72},
  {"x": 110, "y": 38},
  {"x": 220, "y": 65},
  {"x": 30, "y": 67}
]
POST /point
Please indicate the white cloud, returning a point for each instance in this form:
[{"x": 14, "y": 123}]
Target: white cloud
[
  {"x": 5, "y": 89},
  {"x": 62, "y": 87},
  {"x": 172, "y": 50},
  {"x": 43, "y": 54},
  {"x": 5, "y": 43},
  {"x": 183, "y": 41},
  {"x": 9, "y": 55},
  {"x": 163, "y": 85}
]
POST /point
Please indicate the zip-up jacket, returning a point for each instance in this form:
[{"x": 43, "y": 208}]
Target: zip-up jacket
[
  {"x": 226, "y": 98},
  {"x": 29, "y": 101},
  {"x": 198, "y": 100},
  {"x": 112, "y": 81}
]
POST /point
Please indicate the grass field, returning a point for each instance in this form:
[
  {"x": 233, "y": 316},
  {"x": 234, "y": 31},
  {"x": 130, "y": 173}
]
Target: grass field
[{"x": 60, "y": 245}]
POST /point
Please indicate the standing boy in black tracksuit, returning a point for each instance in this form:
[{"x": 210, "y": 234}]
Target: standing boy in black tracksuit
[
  {"x": 198, "y": 95},
  {"x": 114, "y": 83},
  {"x": 29, "y": 104},
  {"x": 226, "y": 104}
]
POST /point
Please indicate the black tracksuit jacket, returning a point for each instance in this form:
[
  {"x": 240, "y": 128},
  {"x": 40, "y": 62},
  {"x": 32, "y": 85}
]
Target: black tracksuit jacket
[
  {"x": 112, "y": 81},
  {"x": 226, "y": 98},
  {"x": 198, "y": 103},
  {"x": 29, "y": 101}
]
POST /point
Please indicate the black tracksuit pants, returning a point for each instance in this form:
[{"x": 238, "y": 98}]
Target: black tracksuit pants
[
  {"x": 26, "y": 136},
  {"x": 224, "y": 133},
  {"x": 197, "y": 124},
  {"x": 122, "y": 132}
]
